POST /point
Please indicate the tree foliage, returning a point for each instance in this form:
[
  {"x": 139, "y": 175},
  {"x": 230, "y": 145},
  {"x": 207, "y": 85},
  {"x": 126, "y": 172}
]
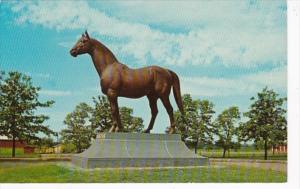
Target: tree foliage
[
  {"x": 130, "y": 123},
  {"x": 102, "y": 118},
  {"x": 79, "y": 130},
  {"x": 85, "y": 122},
  {"x": 44, "y": 141},
  {"x": 18, "y": 105},
  {"x": 2, "y": 128},
  {"x": 196, "y": 123},
  {"x": 267, "y": 120},
  {"x": 226, "y": 128}
]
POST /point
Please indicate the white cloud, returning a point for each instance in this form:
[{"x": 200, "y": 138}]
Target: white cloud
[
  {"x": 55, "y": 93},
  {"x": 194, "y": 14},
  {"x": 66, "y": 44},
  {"x": 234, "y": 35},
  {"x": 43, "y": 75},
  {"x": 38, "y": 75},
  {"x": 277, "y": 78},
  {"x": 244, "y": 85}
]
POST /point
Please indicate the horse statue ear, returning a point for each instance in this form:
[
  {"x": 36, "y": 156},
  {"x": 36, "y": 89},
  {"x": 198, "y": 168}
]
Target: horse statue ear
[{"x": 87, "y": 35}]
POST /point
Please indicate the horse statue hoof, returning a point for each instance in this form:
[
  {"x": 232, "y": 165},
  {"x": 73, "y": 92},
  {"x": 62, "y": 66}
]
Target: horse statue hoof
[
  {"x": 118, "y": 129},
  {"x": 112, "y": 129},
  {"x": 146, "y": 131},
  {"x": 171, "y": 131}
]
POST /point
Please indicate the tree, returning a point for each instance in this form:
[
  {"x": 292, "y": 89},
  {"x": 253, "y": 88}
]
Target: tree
[
  {"x": 45, "y": 141},
  {"x": 42, "y": 143},
  {"x": 196, "y": 123},
  {"x": 225, "y": 128},
  {"x": 79, "y": 130},
  {"x": 129, "y": 122},
  {"x": 2, "y": 129},
  {"x": 84, "y": 122},
  {"x": 102, "y": 119},
  {"x": 18, "y": 104},
  {"x": 101, "y": 116},
  {"x": 267, "y": 120}
]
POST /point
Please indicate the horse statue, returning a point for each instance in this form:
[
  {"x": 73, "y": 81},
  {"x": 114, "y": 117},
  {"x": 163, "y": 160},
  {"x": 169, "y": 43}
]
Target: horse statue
[{"x": 117, "y": 79}]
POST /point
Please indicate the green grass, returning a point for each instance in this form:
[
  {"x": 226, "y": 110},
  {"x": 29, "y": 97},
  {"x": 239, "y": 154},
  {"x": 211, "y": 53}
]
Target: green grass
[
  {"x": 243, "y": 154},
  {"x": 6, "y": 153},
  {"x": 54, "y": 173}
]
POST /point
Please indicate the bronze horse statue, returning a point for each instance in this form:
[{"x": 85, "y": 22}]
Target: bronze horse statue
[{"x": 118, "y": 79}]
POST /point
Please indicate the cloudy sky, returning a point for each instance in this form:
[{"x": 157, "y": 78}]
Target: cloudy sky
[{"x": 223, "y": 51}]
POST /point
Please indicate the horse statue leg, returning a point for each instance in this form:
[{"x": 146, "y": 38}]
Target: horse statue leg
[
  {"x": 113, "y": 100},
  {"x": 166, "y": 102},
  {"x": 154, "y": 111}
]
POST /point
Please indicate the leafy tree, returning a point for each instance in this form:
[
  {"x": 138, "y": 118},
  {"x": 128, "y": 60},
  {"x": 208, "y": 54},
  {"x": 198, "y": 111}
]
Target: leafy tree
[
  {"x": 45, "y": 141},
  {"x": 68, "y": 148},
  {"x": 2, "y": 129},
  {"x": 129, "y": 122},
  {"x": 267, "y": 120},
  {"x": 196, "y": 123},
  {"x": 79, "y": 131},
  {"x": 18, "y": 104},
  {"x": 235, "y": 145},
  {"x": 225, "y": 128},
  {"x": 188, "y": 119},
  {"x": 84, "y": 122},
  {"x": 42, "y": 143},
  {"x": 102, "y": 118}
]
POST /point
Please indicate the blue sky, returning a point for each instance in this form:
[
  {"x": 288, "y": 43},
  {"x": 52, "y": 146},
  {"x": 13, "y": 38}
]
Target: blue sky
[{"x": 223, "y": 51}]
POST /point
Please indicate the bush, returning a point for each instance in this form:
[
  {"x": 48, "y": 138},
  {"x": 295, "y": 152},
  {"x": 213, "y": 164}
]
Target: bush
[{"x": 68, "y": 148}]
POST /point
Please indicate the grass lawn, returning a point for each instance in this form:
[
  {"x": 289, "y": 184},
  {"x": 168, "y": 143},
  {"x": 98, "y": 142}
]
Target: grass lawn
[
  {"x": 6, "y": 153},
  {"x": 51, "y": 172},
  {"x": 254, "y": 154}
]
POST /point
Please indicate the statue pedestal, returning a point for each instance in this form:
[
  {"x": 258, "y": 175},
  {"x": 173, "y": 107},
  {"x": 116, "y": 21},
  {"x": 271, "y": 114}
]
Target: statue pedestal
[{"x": 137, "y": 150}]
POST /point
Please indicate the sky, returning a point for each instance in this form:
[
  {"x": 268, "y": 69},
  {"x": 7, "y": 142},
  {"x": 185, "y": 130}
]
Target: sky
[{"x": 223, "y": 51}]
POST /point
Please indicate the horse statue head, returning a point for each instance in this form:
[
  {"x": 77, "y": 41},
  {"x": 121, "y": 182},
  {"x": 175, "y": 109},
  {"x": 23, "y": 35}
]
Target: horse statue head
[{"x": 82, "y": 46}]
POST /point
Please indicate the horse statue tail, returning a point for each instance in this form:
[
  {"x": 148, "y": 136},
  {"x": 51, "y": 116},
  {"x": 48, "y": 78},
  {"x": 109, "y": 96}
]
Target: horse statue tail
[{"x": 176, "y": 91}]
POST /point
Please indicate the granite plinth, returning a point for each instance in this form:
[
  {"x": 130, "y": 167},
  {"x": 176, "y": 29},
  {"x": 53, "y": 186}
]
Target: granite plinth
[{"x": 137, "y": 150}]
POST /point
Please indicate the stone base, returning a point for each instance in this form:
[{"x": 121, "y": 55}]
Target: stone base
[{"x": 137, "y": 150}]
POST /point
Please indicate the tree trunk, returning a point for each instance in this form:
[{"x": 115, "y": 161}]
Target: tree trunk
[
  {"x": 14, "y": 146},
  {"x": 79, "y": 147},
  {"x": 224, "y": 152},
  {"x": 196, "y": 145},
  {"x": 266, "y": 149}
]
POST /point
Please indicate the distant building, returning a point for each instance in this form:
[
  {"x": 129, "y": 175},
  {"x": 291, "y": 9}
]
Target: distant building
[
  {"x": 8, "y": 143},
  {"x": 58, "y": 148},
  {"x": 280, "y": 149}
]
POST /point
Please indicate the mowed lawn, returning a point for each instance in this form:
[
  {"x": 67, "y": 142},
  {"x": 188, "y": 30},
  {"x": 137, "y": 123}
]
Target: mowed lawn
[
  {"x": 243, "y": 154},
  {"x": 6, "y": 153},
  {"x": 62, "y": 172},
  {"x": 217, "y": 153}
]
